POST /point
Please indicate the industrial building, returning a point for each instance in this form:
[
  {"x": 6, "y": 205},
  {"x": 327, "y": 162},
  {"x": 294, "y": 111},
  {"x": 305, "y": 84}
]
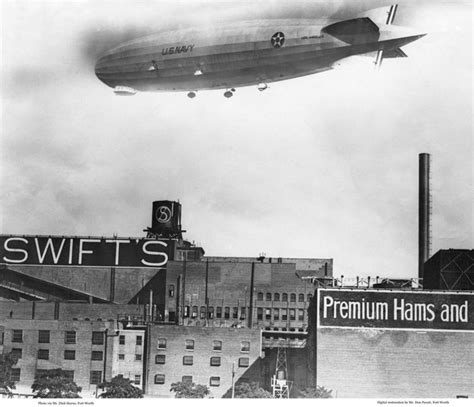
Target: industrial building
[
  {"x": 156, "y": 310},
  {"x": 210, "y": 320}
]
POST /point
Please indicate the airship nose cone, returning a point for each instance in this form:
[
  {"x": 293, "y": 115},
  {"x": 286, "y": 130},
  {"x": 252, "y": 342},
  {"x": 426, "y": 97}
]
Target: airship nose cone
[{"x": 101, "y": 70}]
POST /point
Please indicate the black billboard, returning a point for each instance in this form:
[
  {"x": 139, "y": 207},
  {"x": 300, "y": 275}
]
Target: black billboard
[
  {"x": 418, "y": 310},
  {"x": 85, "y": 251}
]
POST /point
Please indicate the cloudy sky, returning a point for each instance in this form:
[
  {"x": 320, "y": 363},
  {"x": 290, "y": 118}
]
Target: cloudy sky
[{"x": 321, "y": 166}]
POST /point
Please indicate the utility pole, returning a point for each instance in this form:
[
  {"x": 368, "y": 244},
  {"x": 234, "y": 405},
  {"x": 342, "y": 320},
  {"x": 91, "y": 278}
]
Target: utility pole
[{"x": 233, "y": 375}]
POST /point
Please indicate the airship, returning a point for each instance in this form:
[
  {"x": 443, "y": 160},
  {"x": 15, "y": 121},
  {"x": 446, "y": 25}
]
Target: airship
[{"x": 249, "y": 53}]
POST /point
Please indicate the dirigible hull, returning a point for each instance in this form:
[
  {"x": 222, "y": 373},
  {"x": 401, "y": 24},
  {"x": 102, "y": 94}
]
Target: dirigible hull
[{"x": 239, "y": 54}]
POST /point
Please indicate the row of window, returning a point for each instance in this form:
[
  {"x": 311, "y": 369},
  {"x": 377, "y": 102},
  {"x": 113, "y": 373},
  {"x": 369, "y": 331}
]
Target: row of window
[
  {"x": 277, "y": 314},
  {"x": 44, "y": 336},
  {"x": 283, "y": 297},
  {"x": 138, "y": 340},
  {"x": 225, "y": 312},
  {"x": 216, "y": 345},
  {"x": 221, "y": 312},
  {"x": 95, "y": 376},
  {"x": 214, "y": 381},
  {"x": 189, "y": 361},
  {"x": 69, "y": 354}
]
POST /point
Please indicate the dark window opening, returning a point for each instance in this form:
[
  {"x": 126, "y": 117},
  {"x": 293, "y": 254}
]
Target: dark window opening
[
  {"x": 159, "y": 379},
  {"x": 70, "y": 337}
]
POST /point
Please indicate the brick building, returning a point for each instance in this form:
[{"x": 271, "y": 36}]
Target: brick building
[
  {"x": 78, "y": 338},
  {"x": 203, "y": 355}
]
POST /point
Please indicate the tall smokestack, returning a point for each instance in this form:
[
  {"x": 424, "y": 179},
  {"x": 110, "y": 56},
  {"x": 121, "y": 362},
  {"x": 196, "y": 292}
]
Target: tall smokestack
[{"x": 424, "y": 219}]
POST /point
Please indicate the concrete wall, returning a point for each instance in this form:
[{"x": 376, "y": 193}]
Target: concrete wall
[
  {"x": 201, "y": 370},
  {"x": 373, "y": 363}
]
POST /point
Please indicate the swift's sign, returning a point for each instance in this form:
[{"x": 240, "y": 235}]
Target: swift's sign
[
  {"x": 395, "y": 309},
  {"x": 81, "y": 251}
]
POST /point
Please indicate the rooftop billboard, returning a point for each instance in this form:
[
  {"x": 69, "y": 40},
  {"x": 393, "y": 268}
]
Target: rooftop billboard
[
  {"x": 85, "y": 251},
  {"x": 419, "y": 310}
]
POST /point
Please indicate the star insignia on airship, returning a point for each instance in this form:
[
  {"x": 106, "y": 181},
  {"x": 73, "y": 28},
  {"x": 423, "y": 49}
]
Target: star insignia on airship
[{"x": 278, "y": 40}]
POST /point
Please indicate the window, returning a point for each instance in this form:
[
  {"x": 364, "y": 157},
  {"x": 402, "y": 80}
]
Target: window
[
  {"x": 276, "y": 297},
  {"x": 301, "y": 315},
  {"x": 243, "y": 362},
  {"x": 268, "y": 296},
  {"x": 235, "y": 312},
  {"x": 97, "y": 355},
  {"x": 276, "y": 314},
  {"x": 268, "y": 313},
  {"x": 17, "y": 353},
  {"x": 160, "y": 359},
  {"x": 242, "y": 312},
  {"x": 210, "y": 312},
  {"x": 70, "y": 337},
  {"x": 96, "y": 376},
  {"x": 69, "y": 374},
  {"x": 217, "y": 345},
  {"x": 122, "y": 340},
  {"x": 215, "y": 361},
  {"x": 194, "y": 313},
  {"x": 17, "y": 335},
  {"x": 226, "y": 313},
  {"x": 260, "y": 297},
  {"x": 187, "y": 360},
  {"x": 219, "y": 312},
  {"x": 43, "y": 336},
  {"x": 292, "y": 314},
  {"x": 97, "y": 338},
  {"x": 69, "y": 354},
  {"x": 43, "y": 354},
  {"x": 139, "y": 340},
  {"x": 171, "y": 290},
  {"x": 309, "y": 296},
  {"x": 202, "y": 313},
  {"x": 15, "y": 374},
  {"x": 121, "y": 356},
  {"x": 284, "y": 297},
  {"x": 215, "y": 381},
  {"x": 138, "y": 379},
  {"x": 161, "y": 343},
  {"x": 284, "y": 314},
  {"x": 189, "y": 344},
  {"x": 138, "y": 356},
  {"x": 187, "y": 379},
  {"x": 300, "y": 297},
  {"x": 293, "y": 297},
  {"x": 259, "y": 314},
  {"x": 186, "y": 311},
  {"x": 159, "y": 379}
]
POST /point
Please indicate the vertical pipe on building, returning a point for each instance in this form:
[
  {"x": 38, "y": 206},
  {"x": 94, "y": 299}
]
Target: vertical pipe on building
[
  {"x": 252, "y": 278},
  {"x": 150, "y": 310},
  {"x": 106, "y": 336},
  {"x": 112, "y": 284},
  {"x": 206, "y": 298},
  {"x": 184, "y": 287},
  {"x": 423, "y": 212},
  {"x": 146, "y": 362}
]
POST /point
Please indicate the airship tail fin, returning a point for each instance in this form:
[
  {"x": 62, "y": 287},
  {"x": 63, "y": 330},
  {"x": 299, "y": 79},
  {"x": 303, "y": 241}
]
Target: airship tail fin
[{"x": 382, "y": 15}]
